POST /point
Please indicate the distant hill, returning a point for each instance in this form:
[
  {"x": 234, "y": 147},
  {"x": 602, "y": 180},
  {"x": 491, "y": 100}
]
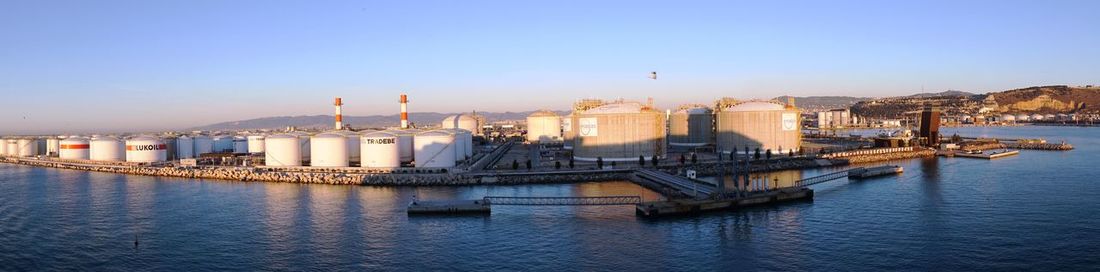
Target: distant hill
[
  {"x": 422, "y": 119},
  {"x": 1049, "y": 99},
  {"x": 945, "y": 93},
  {"x": 823, "y": 102}
]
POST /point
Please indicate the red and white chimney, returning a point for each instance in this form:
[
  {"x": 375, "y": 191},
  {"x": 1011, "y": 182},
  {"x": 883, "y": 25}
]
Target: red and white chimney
[
  {"x": 339, "y": 114},
  {"x": 404, "y": 111}
]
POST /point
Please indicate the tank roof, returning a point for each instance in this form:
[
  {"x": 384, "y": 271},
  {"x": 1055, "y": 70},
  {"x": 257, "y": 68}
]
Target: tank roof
[{"x": 756, "y": 106}]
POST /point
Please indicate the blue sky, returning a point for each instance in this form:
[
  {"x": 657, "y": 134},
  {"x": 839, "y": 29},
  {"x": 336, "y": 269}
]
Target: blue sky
[{"x": 72, "y": 66}]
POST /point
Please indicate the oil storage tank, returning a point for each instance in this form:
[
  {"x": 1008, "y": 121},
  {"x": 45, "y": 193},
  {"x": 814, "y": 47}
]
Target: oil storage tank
[
  {"x": 463, "y": 121},
  {"x": 203, "y": 145},
  {"x": 173, "y": 147},
  {"x": 28, "y": 147},
  {"x": 255, "y": 144},
  {"x": 380, "y": 149},
  {"x": 544, "y": 127},
  {"x": 74, "y": 148},
  {"x": 107, "y": 148},
  {"x": 568, "y": 133},
  {"x": 691, "y": 126},
  {"x": 53, "y": 146},
  {"x": 223, "y": 143},
  {"x": 435, "y": 148},
  {"x": 282, "y": 150},
  {"x": 758, "y": 124},
  {"x": 12, "y": 147},
  {"x": 303, "y": 143},
  {"x": 3, "y": 147},
  {"x": 353, "y": 145},
  {"x": 619, "y": 131},
  {"x": 185, "y": 147},
  {"x": 240, "y": 145},
  {"x": 146, "y": 149},
  {"x": 405, "y": 147},
  {"x": 329, "y": 149}
]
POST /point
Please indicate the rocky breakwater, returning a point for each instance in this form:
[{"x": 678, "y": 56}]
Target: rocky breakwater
[{"x": 899, "y": 155}]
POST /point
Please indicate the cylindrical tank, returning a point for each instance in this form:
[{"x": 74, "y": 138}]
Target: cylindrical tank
[
  {"x": 329, "y": 149},
  {"x": 223, "y": 143},
  {"x": 74, "y": 148},
  {"x": 303, "y": 143},
  {"x": 13, "y": 147},
  {"x": 240, "y": 145},
  {"x": 28, "y": 147},
  {"x": 107, "y": 148},
  {"x": 468, "y": 142},
  {"x": 3, "y": 147},
  {"x": 53, "y": 146},
  {"x": 203, "y": 145},
  {"x": 380, "y": 149},
  {"x": 544, "y": 127},
  {"x": 282, "y": 150},
  {"x": 462, "y": 121},
  {"x": 1037, "y": 117},
  {"x": 462, "y": 146},
  {"x": 620, "y": 131},
  {"x": 691, "y": 126},
  {"x": 405, "y": 138},
  {"x": 434, "y": 148},
  {"x": 172, "y": 151},
  {"x": 759, "y": 124},
  {"x": 40, "y": 146},
  {"x": 146, "y": 149},
  {"x": 353, "y": 145},
  {"x": 185, "y": 147},
  {"x": 255, "y": 144}
]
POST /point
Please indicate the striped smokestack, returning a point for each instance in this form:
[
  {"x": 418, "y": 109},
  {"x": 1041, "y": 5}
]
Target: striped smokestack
[
  {"x": 339, "y": 114},
  {"x": 404, "y": 111}
]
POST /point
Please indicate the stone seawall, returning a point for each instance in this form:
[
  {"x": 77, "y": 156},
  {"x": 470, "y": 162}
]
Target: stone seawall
[{"x": 264, "y": 175}]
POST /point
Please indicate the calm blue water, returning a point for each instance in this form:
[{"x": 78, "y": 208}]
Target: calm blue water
[{"x": 1036, "y": 211}]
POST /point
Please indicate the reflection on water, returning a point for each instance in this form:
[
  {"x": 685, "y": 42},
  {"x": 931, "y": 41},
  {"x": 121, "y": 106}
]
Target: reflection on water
[{"x": 1028, "y": 212}]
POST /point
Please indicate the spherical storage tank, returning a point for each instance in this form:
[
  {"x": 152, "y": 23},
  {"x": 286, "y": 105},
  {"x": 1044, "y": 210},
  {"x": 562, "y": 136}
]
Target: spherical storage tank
[
  {"x": 28, "y": 147},
  {"x": 543, "y": 127},
  {"x": 203, "y": 145},
  {"x": 329, "y": 150},
  {"x": 185, "y": 147},
  {"x": 434, "y": 148},
  {"x": 74, "y": 148},
  {"x": 107, "y": 148},
  {"x": 146, "y": 149},
  {"x": 691, "y": 126},
  {"x": 758, "y": 124},
  {"x": 255, "y": 144},
  {"x": 463, "y": 121},
  {"x": 282, "y": 150},
  {"x": 619, "y": 131},
  {"x": 223, "y": 144},
  {"x": 380, "y": 149},
  {"x": 240, "y": 145}
]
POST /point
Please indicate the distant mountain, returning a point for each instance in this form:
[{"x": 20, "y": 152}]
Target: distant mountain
[
  {"x": 945, "y": 93},
  {"x": 421, "y": 119},
  {"x": 824, "y": 102}
]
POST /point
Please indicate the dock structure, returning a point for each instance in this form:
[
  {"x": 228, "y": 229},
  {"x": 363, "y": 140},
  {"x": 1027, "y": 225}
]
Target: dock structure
[
  {"x": 982, "y": 155},
  {"x": 864, "y": 172},
  {"x": 484, "y": 205},
  {"x": 677, "y": 184},
  {"x": 712, "y": 199}
]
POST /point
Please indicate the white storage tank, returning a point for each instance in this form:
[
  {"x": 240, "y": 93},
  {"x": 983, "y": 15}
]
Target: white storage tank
[
  {"x": 329, "y": 149},
  {"x": 240, "y": 145},
  {"x": 544, "y": 127},
  {"x": 405, "y": 138},
  {"x": 28, "y": 147},
  {"x": 53, "y": 146},
  {"x": 255, "y": 144},
  {"x": 223, "y": 144},
  {"x": 303, "y": 143},
  {"x": 146, "y": 149},
  {"x": 3, "y": 147},
  {"x": 465, "y": 140},
  {"x": 380, "y": 149},
  {"x": 185, "y": 147},
  {"x": 759, "y": 124},
  {"x": 353, "y": 145},
  {"x": 74, "y": 148},
  {"x": 691, "y": 126},
  {"x": 1023, "y": 117},
  {"x": 12, "y": 147},
  {"x": 282, "y": 150},
  {"x": 203, "y": 145},
  {"x": 106, "y": 148},
  {"x": 434, "y": 148}
]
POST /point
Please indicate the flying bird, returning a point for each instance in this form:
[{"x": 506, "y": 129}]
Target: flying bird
[{"x": 653, "y": 75}]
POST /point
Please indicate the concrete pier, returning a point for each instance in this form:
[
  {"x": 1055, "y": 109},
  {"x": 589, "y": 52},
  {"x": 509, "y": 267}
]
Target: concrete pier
[{"x": 692, "y": 206}]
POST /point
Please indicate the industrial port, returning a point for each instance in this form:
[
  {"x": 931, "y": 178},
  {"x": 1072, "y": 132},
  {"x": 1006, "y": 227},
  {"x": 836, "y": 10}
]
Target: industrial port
[{"x": 664, "y": 150}]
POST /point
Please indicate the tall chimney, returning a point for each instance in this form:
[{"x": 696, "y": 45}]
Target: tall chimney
[
  {"x": 404, "y": 111},
  {"x": 339, "y": 114}
]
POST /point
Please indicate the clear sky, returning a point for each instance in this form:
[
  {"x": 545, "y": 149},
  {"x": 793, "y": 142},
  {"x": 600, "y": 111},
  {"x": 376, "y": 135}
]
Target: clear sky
[{"x": 72, "y": 66}]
